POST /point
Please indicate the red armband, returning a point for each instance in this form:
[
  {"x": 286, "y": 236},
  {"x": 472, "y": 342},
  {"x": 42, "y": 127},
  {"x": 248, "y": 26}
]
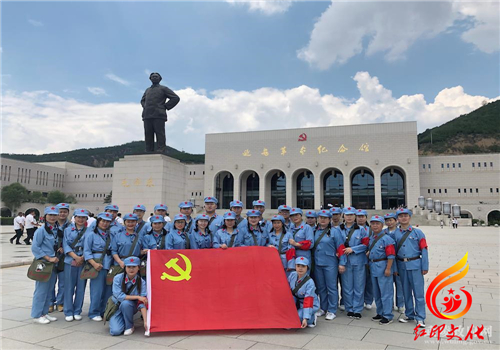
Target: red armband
[
  {"x": 389, "y": 250},
  {"x": 365, "y": 241},
  {"x": 308, "y": 302},
  {"x": 422, "y": 244},
  {"x": 340, "y": 250},
  {"x": 306, "y": 245},
  {"x": 290, "y": 254}
]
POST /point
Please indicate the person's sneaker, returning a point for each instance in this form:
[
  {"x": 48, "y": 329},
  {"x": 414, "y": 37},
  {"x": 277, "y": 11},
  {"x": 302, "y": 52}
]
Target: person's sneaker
[
  {"x": 41, "y": 320},
  {"x": 69, "y": 318},
  {"x": 60, "y": 308},
  {"x": 330, "y": 316},
  {"x": 395, "y": 308},
  {"x": 357, "y": 316},
  {"x": 350, "y": 314},
  {"x": 320, "y": 313},
  {"x": 368, "y": 306},
  {"x": 51, "y": 318},
  {"x": 384, "y": 321},
  {"x": 401, "y": 309},
  {"x": 51, "y": 308},
  {"x": 421, "y": 324},
  {"x": 96, "y": 318},
  {"x": 377, "y": 318},
  {"x": 146, "y": 333},
  {"x": 78, "y": 317},
  {"x": 129, "y": 331},
  {"x": 405, "y": 319},
  {"x": 312, "y": 325},
  {"x": 11, "y": 241},
  {"x": 342, "y": 307}
]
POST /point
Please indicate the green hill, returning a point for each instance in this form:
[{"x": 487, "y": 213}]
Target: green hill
[
  {"x": 476, "y": 132},
  {"x": 104, "y": 156}
]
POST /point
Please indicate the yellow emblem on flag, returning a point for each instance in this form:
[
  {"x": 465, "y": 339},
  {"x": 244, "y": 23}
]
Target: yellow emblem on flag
[{"x": 183, "y": 274}]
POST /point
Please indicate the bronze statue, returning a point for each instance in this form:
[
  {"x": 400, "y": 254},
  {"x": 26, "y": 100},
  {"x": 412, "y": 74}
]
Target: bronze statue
[{"x": 154, "y": 113}]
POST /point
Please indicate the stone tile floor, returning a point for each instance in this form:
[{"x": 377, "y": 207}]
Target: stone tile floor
[{"x": 446, "y": 247}]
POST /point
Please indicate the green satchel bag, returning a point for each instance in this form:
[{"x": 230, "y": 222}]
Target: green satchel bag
[
  {"x": 40, "y": 270},
  {"x": 116, "y": 269},
  {"x": 88, "y": 271},
  {"x": 112, "y": 307}
]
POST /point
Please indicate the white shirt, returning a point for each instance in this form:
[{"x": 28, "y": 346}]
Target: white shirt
[
  {"x": 30, "y": 221},
  {"x": 167, "y": 219},
  {"x": 119, "y": 220},
  {"x": 18, "y": 223},
  {"x": 90, "y": 221}
]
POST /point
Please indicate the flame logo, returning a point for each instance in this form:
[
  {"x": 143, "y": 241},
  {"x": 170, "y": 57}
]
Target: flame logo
[{"x": 452, "y": 303}]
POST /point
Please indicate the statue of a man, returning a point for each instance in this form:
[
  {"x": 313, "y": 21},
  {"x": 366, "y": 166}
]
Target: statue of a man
[{"x": 154, "y": 113}]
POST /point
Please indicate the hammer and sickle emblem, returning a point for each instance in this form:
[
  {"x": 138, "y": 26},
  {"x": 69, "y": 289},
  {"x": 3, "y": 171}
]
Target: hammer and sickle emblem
[{"x": 183, "y": 274}]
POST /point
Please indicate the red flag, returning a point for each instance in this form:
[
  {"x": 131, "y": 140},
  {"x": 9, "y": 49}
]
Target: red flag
[{"x": 206, "y": 289}]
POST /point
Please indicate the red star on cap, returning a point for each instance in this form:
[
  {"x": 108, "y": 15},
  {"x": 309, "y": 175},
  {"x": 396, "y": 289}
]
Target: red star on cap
[
  {"x": 129, "y": 215},
  {"x": 229, "y": 214},
  {"x": 83, "y": 211},
  {"x": 161, "y": 205},
  {"x": 260, "y": 201},
  {"x": 349, "y": 208},
  {"x": 284, "y": 206},
  {"x": 114, "y": 206},
  {"x": 293, "y": 209},
  {"x": 157, "y": 217},
  {"x": 52, "y": 208},
  {"x": 62, "y": 205},
  {"x": 324, "y": 211},
  {"x": 301, "y": 258},
  {"x": 107, "y": 214},
  {"x": 209, "y": 198},
  {"x": 204, "y": 215},
  {"x": 376, "y": 216},
  {"x": 185, "y": 202},
  {"x": 131, "y": 260}
]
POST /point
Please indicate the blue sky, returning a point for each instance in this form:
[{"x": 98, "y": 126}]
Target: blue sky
[{"x": 99, "y": 52}]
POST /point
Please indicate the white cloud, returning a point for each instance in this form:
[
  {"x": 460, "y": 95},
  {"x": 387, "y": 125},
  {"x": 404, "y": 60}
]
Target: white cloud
[
  {"x": 347, "y": 29},
  {"x": 59, "y": 120},
  {"x": 267, "y": 7},
  {"x": 35, "y": 23},
  {"x": 117, "y": 79},
  {"x": 97, "y": 91}
]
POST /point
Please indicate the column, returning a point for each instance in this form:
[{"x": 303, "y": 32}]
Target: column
[
  {"x": 378, "y": 191},
  {"x": 317, "y": 190},
  {"x": 347, "y": 188}
]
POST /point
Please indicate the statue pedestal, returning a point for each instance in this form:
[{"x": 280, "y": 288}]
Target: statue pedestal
[{"x": 148, "y": 179}]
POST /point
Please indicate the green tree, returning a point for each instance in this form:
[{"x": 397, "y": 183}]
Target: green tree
[
  {"x": 13, "y": 195},
  {"x": 37, "y": 197},
  {"x": 56, "y": 197},
  {"x": 108, "y": 198}
]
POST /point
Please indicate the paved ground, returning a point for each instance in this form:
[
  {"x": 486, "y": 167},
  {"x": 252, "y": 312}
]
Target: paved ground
[{"x": 447, "y": 246}]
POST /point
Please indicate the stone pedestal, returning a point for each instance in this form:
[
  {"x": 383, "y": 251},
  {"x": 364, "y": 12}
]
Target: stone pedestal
[{"x": 148, "y": 179}]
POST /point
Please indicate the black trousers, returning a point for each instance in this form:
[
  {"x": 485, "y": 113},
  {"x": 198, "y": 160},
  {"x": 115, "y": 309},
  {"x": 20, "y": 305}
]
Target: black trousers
[
  {"x": 31, "y": 233},
  {"x": 18, "y": 235},
  {"x": 154, "y": 127}
]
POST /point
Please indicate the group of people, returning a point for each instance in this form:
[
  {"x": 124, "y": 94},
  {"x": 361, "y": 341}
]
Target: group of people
[
  {"x": 322, "y": 253},
  {"x": 21, "y": 223}
]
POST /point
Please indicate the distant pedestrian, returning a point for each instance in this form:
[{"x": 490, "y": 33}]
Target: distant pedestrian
[
  {"x": 119, "y": 219},
  {"x": 18, "y": 228},
  {"x": 30, "y": 226},
  {"x": 441, "y": 223}
]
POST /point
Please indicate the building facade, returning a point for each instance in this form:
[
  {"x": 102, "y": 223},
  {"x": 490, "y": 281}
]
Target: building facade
[{"x": 373, "y": 166}]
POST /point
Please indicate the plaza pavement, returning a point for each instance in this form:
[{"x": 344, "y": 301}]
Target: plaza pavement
[{"x": 446, "y": 247}]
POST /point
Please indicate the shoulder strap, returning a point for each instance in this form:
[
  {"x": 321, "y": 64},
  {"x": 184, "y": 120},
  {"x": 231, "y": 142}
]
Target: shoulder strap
[
  {"x": 131, "y": 288},
  {"x": 375, "y": 241},
  {"x": 141, "y": 225},
  {"x": 254, "y": 238},
  {"x": 281, "y": 241},
  {"x": 298, "y": 286},
  {"x": 320, "y": 237},
  {"x": 106, "y": 246},
  {"x": 133, "y": 244},
  {"x": 75, "y": 242},
  {"x": 164, "y": 236},
  {"x": 188, "y": 243},
  {"x": 351, "y": 232},
  {"x": 211, "y": 220},
  {"x": 233, "y": 237},
  {"x": 402, "y": 241},
  {"x": 187, "y": 227}
]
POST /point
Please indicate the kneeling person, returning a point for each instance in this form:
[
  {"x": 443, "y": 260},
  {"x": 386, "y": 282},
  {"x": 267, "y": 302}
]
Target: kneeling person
[
  {"x": 381, "y": 254},
  {"x": 129, "y": 292},
  {"x": 304, "y": 293}
]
